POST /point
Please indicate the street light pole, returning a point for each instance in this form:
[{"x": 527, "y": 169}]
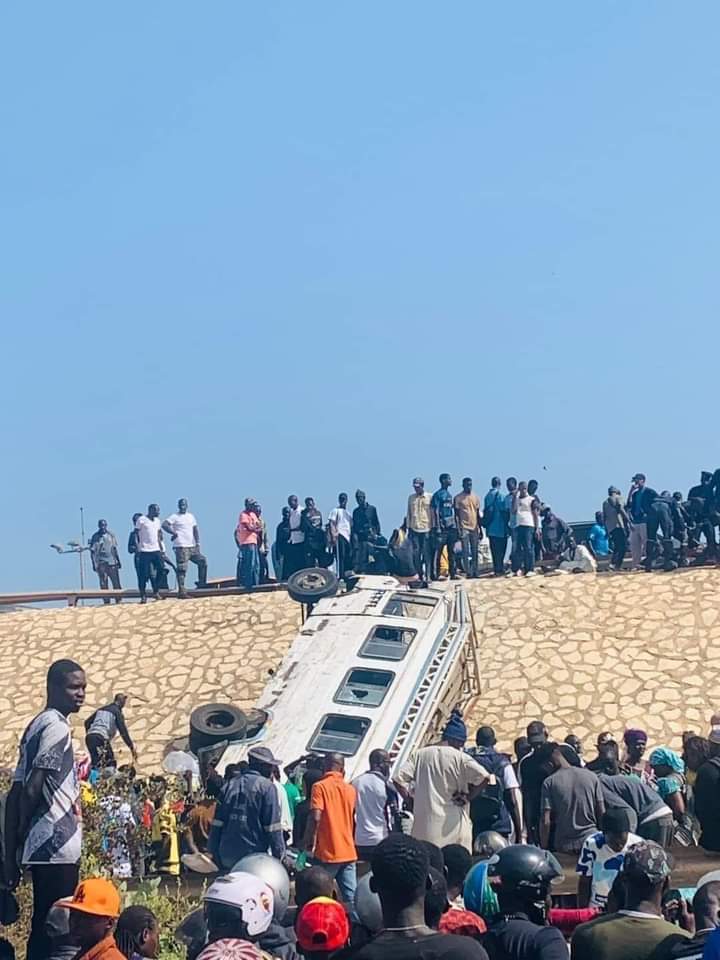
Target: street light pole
[{"x": 81, "y": 551}]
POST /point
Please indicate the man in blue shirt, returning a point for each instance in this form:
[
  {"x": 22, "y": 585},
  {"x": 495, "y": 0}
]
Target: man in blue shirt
[
  {"x": 248, "y": 819},
  {"x": 444, "y": 526},
  {"x": 495, "y": 521}
]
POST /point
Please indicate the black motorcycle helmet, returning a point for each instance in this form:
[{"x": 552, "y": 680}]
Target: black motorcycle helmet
[{"x": 524, "y": 869}]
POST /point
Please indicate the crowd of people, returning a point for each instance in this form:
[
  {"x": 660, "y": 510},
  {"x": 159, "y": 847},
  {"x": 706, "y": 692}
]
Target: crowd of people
[
  {"x": 440, "y": 535},
  {"x": 450, "y": 855}
]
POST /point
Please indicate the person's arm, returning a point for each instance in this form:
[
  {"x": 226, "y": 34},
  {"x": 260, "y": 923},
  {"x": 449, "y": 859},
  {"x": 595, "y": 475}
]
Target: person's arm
[
  {"x": 116, "y": 553},
  {"x": 676, "y": 803},
  {"x": 11, "y": 835},
  {"x": 124, "y": 733},
  {"x": 311, "y": 828},
  {"x": 216, "y": 829},
  {"x": 584, "y": 869},
  {"x": 512, "y": 798},
  {"x": 29, "y": 800},
  {"x": 196, "y": 536},
  {"x": 536, "y": 517},
  {"x": 165, "y": 525},
  {"x": 599, "y": 804},
  {"x": 272, "y": 822},
  {"x": 545, "y": 830},
  {"x": 583, "y": 892},
  {"x": 161, "y": 541},
  {"x": 377, "y": 522},
  {"x": 189, "y": 836}
]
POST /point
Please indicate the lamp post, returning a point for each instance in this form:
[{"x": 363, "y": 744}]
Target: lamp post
[{"x": 75, "y": 546}]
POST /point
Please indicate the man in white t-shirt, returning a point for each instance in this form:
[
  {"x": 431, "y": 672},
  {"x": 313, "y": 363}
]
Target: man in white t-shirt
[
  {"x": 373, "y": 806},
  {"x": 601, "y": 857},
  {"x": 183, "y": 529},
  {"x": 150, "y": 551},
  {"x": 340, "y": 521}
]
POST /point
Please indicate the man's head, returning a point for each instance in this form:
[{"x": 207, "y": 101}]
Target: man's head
[
  {"x": 714, "y": 741},
  {"x": 419, "y": 486},
  {"x": 467, "y": 484},
  {"x": 536, "y": 733},
  {"x": 286, "y": 513},
  {"x": 436, "y": 898},
  {"x": 532, "y": 487},
  {"x": 521, "y": 746},
  {"x": 94, "y": 908},
  {"x": 496, "y": 483},
  {"x": 599, "y": 518},
  {"x": 153, "y": 511},
  {"x": 574, "y": 741},
  {"x": 551, "y": 758},
  {"x": 293, "y": 501},
  {"x": 522, "y": 488},
  {"x": 458, "y": 861},
  {"x": 445, "y": 480},
  {"x": 613, "y": 492},
  {"x": 262, "y": 761},
  {"x": 485, "y": 737},
  {"x": 238, "y": 906},
  {"x": 615, "y": 824},
  {"x": 311, "y": 883},
  {"x": 342, "y": 500},
  {"x": 380, "y": 760},
  {"x": 361, "y": 498},
  {"x": 334, "y": 763},
  {"x": 138, "y": 931},
  {"x": 696, "y": 750},
  {"x": 120, "y": 699},
  {"x": 636, "y": 744},
  {"x": 677, "y": 496},
  {"x": 400, "y": 872},
  {"x": 182, "y": 505},
  {"x": 511, "y": 483},
  {"x": 604, "y": 737},
  {"x": 102, "y": 526},
  {"x": 639, "y": 480},
  {"x": 250, "y": 504},
  {"x": 705, "y": 477},
  {"x": 706, "y": 906},
  {"x": 455, "y": 732},
  {"x": 309, "y": 503},
  {"x": 66, "y": 685},
  {"x": 646, "y": 874}
]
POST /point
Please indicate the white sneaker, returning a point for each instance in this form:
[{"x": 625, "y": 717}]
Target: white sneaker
[{"x": 531, "y": 573}]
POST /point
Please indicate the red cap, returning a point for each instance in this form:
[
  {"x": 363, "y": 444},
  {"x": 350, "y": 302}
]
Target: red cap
[
  {"x": 322, "y": 926},
  {"x": 462, "y": 923}
]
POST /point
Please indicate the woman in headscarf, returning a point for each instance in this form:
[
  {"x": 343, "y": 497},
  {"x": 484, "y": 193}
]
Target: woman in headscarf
[{"x": 669, "y": 769}]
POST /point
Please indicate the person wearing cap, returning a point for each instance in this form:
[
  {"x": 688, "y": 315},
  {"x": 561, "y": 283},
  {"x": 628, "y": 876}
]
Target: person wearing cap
[
  {"x": 706, "y": 794},
  {"x": 445, "y": 782},
  {"x": 531, "y": 772},
  {"x": 247, "y": 533},
  {"x": 632, "y": 762},
  {"x": 330, "y": 830},
  {"x": 637, "y": 504},
  {"x": 617, "y": 524},
  {"x": 94, "y": 909},
  {"x": 238, "y": 911},
  {"x": 322, "y": 927},
  {"x": 248, "y": 817},
  {"x": 638, "y": 931},
  {"x": 601, "y": 857},
  {"x": 499, "y": 806},
  {"x": 418, "y": 519}
]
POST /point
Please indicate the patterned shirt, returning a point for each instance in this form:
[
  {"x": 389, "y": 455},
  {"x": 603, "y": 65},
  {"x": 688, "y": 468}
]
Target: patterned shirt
[{"x": 55, "y": 832}]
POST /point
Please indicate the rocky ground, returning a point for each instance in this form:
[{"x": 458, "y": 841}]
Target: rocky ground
[{"x": 583, "y": 653}]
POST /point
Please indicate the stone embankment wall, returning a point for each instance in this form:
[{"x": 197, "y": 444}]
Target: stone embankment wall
[{"x": 583, "y": 653}]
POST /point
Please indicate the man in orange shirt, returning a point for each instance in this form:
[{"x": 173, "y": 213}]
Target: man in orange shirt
[
  {"x": 247, "y": 535},
  {"x": 94, "y": 909},
  {"x": 330, "y": 836}
]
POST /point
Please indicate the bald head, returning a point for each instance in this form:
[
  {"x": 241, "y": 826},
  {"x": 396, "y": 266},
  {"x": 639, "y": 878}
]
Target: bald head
[
  {"x": 706, "y": 906},
  {"x": 335, "y": 763}
]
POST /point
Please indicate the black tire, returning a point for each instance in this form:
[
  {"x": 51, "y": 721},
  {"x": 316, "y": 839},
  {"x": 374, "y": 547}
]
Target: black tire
[
  {"x": 214, "y": 722},
  {"x": 312, "y": 584}
]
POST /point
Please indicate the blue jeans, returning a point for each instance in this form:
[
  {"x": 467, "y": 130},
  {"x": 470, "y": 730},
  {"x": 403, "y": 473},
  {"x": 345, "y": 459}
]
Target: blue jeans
[
  {"x": 524, "y": 553},
  {"x": 470, "y": 543},
  {"x": 345, "y": 876},
  {"x": 248, "y": 566}
]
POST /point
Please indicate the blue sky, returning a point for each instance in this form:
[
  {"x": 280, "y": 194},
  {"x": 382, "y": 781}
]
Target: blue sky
[{"x": 274, "y": 248}]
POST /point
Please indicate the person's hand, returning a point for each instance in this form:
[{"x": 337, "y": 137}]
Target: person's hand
[
  {"x": 134, "y": 754},
  {"x": 460, "y": 799},
  {"x": 174, "y": 536},
  {"x": 685, "y": 917},
  {"x": 12, "y": 875}
]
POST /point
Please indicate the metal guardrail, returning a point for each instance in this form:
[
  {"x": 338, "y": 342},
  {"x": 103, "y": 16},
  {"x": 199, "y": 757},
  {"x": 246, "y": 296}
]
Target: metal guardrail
[{"x": 73, "y": 596}]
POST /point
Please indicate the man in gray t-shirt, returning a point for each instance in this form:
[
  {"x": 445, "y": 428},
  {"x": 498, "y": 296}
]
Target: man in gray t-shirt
[{"x": 572, "y": 800}]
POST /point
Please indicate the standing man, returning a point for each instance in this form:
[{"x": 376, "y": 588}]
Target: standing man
[
  {"x": 105, "y": 558},
  {"x": 340, "y": 522},
  {"x": 467, "y": 514},
  {"x": 366, "y": 530},
  {"x": 101, "y": 728},
  {"x": 150, "y": 551},
  {"x": 499, "y": 806},
  {"x": 527, "y": 530},
  {"x": 446, "y": 780},
  {"x": 329, "y": 837},
  {"x": 185, "y": 536},
  {"x": 617, "y": 524},
  {"x": 42, "y": 813},
  {"x": 444, "y": 526},
  {"x": 419, "y": 523},
  {"x": 571, "y": 799},
  {"x": 247, "y": 818},
  {"x": 247, "y": 532},
  {"x": 511, "y": 484},
  {"x": 495, "y": 521},
  {"x": 312, "y": 527},
  {"x": 636, "y": 509},
  {"x": 707, "y": 796},
  {"x": 295, "y": 554},
  {"x": 377, "y": 803},
  {"x": 279, "y": 548},
  {"x": 263, "y": 571}
]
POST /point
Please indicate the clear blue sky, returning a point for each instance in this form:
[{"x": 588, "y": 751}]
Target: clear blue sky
[{"x": 290, "y": 247}]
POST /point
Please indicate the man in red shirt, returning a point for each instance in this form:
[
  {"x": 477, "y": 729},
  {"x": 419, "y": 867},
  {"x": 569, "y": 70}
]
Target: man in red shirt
[
  {"x": 330, "y": 836},
  {"x": 247, "y": 534}
]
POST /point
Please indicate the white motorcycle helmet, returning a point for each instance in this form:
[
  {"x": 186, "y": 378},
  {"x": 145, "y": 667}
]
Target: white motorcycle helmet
[{"x": 267, "y": 868}]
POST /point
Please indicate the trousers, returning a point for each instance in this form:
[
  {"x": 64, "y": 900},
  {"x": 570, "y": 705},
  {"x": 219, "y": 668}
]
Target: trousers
[
  {"x": 185, "y": 556},
  {"x": 109, "y": 571},
  {"x": 618, "y": 543},
  {"x": 524, "y": 553},
  {"x": 248, "y": 566},
  {"x": 150, "y": 567},
  {"x": 470, "y": 542},
  {"x": 498, "y": 546},
  {"x": 51, "y": 882},
  {"x": 638, "y": 543},
  {"x": 422, "y": 552}
]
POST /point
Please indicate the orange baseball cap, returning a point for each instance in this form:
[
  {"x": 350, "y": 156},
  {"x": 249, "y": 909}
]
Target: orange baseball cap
[{"x": 96, "y": 896}]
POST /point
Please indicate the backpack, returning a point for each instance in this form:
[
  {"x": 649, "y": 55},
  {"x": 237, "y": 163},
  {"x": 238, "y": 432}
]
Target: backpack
[{"x": 487, "y": 810}]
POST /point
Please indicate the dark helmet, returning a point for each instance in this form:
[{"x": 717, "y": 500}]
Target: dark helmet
[
  {"x": 488, "y": 843},
  {"x": 525, "y": 868}
]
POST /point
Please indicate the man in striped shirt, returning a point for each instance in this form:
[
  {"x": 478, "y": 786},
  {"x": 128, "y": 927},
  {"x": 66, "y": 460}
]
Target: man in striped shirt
[{"x": 42, "y": 820}]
